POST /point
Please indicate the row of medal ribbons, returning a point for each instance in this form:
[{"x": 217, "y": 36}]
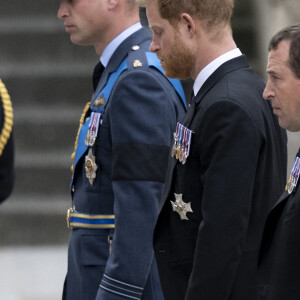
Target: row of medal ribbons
[
  {"x": 294, "y": 177},
  {"x": 182, "y": 143}
]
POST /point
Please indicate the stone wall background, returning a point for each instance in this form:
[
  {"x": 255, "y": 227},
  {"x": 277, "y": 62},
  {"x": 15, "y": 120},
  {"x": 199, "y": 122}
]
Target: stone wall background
[{"x": 49, "y": 80}]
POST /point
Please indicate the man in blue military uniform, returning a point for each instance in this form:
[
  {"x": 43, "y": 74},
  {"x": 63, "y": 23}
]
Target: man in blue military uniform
[
  {"x": 279, "y": 260},
  {"x": 121, "y": 155},
  {"x": 6, "y": 144}
]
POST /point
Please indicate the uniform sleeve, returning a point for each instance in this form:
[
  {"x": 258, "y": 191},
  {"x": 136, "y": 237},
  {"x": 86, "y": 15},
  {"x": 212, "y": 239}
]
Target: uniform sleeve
[
  {"x": 142, "y": 118},
  {"x": 229, "y": 153}
]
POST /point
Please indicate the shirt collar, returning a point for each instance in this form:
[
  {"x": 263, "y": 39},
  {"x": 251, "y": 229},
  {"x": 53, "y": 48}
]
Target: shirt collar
[
  {"x": 212, "y": 67},
  {"x": 116, "y": 42}
]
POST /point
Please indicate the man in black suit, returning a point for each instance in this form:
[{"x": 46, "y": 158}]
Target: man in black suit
[
  {"x": 279, "y": 260},
  {"x": 6, "y": 144},
  {"x": 229, "y": 157}
]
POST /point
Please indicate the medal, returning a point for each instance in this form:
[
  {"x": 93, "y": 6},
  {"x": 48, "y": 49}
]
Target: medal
[
  {"x": 93, "y": 129},
  {"x": 90, "y": 167},
  {"x": 179, "y": 145},
  {"x": 176, "y": 135},
  {"x": 182, "y": 143},
  {"x": 181, "y": 207},
  {"x": 294, "y": 177},
  {"x": 181, "y": 154},
  {"x": 187, "y": 146}
]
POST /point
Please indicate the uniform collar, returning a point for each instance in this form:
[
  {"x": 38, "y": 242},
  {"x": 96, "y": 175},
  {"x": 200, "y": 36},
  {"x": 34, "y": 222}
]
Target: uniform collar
[{"x": 115, "y": 43}]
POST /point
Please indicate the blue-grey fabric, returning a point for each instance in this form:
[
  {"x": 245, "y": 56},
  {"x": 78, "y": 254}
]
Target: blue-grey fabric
[{"x": 131, "y": 151}]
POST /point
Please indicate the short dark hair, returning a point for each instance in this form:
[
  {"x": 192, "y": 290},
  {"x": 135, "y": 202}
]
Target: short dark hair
[{"x": 290, "y": 33}]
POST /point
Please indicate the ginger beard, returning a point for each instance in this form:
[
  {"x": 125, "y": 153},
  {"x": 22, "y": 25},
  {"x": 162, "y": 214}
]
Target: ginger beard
[{"x": 179, "y": 62}]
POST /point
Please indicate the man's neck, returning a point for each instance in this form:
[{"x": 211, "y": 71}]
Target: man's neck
[
  {"x": 115, "y": 30},
  {"x": 208, "y": 50}
]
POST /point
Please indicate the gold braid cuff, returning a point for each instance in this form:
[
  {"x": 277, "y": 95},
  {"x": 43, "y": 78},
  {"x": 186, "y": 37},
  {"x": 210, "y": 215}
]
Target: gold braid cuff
[
  {"x": 8, "y": 117},
  {"x": 80, "y": 125}
]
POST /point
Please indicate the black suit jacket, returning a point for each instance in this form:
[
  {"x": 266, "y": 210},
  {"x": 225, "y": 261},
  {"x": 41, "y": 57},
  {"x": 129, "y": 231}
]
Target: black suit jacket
[
  {"x": 279, "y": 259},
  {"x": 233, "y": 176}
]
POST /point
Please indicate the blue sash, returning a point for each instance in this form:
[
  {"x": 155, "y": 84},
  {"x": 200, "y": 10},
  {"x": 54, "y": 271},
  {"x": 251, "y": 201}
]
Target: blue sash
[{"x": 153, "y": 61}]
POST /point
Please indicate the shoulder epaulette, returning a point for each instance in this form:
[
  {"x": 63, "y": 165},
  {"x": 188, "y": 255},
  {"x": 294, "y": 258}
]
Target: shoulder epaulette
[
  {"x": 141, "y": 59},
  {"x": 8, "y": 117}
]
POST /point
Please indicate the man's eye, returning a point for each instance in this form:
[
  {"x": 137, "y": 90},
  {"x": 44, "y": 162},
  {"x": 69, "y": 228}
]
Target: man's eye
[{"x": 274, "y": 77}]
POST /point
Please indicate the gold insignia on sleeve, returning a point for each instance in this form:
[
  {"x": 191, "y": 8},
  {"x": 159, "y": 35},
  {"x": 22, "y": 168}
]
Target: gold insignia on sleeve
[
  {"x": 136, "y": 47},
  {"x": 181, "y": 207},
  {"x": 137, "y": 63}
]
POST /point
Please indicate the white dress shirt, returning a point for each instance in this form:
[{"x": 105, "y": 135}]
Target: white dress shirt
[
  {"x": 116, "y": 42},
  {"x": 212, "y": 67}
]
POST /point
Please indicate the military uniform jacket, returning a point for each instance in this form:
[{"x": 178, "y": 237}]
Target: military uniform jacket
[
  {"x": 6, "y": 146},
  {"x": 279, "y": 263},
  {"x": 235, "y": 171},
  {"x": 131, "y": 152}
]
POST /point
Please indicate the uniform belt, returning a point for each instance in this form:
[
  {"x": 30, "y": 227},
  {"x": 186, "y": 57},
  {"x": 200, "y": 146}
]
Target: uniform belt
[{"x": 79, "y": 220}]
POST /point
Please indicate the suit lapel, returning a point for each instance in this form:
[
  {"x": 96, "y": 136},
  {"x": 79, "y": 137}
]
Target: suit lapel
[
  {"x": 271, "y": 224},
  {"x": 273, "y": 217},
  {"x": 277, "y": 209},
  {"x": 227, "y": 67},
  {"x": 278, "y": 206}
]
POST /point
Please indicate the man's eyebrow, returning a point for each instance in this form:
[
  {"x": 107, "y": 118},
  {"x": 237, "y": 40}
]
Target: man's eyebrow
[{"x": 154, "y": 27}]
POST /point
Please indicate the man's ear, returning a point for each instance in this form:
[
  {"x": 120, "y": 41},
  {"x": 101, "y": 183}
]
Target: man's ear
[
  {"x": 111, "y": 4},
  {"x": 189, "y": 24}
]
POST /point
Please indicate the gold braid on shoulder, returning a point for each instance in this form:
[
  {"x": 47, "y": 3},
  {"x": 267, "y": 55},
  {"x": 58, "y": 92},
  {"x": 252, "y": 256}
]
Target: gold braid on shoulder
[
  {"x": 8, "y": 117},
  {"x": 80, "y": 125}
]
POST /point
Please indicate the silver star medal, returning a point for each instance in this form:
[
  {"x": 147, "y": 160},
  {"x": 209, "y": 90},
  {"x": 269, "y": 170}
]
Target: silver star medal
[
  {"x": 181, "y": 207},
  {"x": 90, "y": 167}
]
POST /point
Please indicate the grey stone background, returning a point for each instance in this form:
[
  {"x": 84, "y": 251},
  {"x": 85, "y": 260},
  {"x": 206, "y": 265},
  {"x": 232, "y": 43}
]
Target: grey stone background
[{"x": 49, "y": 80}]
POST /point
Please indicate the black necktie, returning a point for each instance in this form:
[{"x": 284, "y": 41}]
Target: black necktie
[
  {"x": 192, "y": 98},
  {"x": 98, "y": 70}
]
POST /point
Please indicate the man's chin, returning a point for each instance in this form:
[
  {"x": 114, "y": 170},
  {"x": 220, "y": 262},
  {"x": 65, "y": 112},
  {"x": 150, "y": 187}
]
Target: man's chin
[
  {"x": 77, "y": 41},
  {"x": 175, "y": 74}
]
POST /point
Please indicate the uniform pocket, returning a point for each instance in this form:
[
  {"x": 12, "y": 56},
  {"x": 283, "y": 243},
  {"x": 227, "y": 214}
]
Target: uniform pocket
[{"x": 94, "y": 255}]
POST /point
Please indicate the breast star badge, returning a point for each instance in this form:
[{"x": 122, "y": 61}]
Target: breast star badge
[
  {"x": 90, "y": 167},
  {"x": 181, "y": 207}
]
